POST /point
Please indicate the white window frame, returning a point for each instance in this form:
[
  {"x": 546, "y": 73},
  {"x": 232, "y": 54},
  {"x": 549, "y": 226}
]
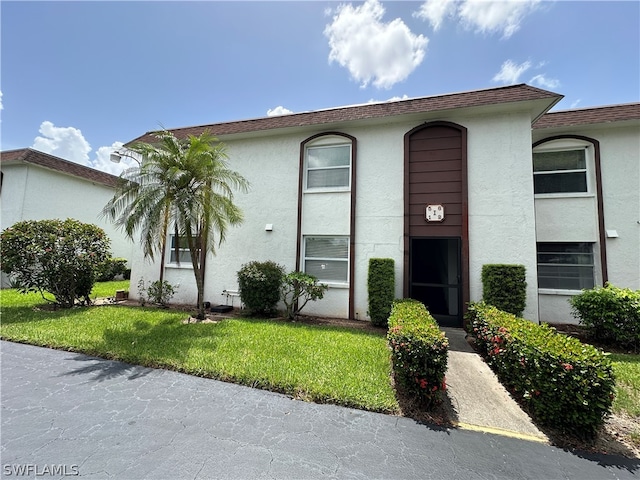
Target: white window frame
[
  {"x": 322, "y": 145},
  {"x": 170, "y": 261},
  {"x": 564, "y": 145},
  {"x": 553, "y": 289},
  {"x": 305, "y": 258}
]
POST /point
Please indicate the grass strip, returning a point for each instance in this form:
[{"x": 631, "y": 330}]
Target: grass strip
[{"x": 316, "y": 363}]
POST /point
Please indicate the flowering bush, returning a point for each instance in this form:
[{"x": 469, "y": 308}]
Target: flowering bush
[
  {"x": 260, "y": 284},
  {"x": 418, "y": 351},
  {"x": 564, "y": 383},
  {"x": 60, "y": 257}
]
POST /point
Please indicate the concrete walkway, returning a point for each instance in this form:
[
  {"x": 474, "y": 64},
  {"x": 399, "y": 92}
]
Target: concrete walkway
[
  {"x": 479, "y": 400},
  {"x": 66, "y": 412}
]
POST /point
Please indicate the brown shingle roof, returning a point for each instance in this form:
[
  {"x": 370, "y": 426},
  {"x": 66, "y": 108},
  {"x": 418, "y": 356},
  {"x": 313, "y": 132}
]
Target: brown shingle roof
[
  {"x": 35, "y": 157},
  {"x": 501, "y": 95},
  {"x": 589, "y": 116}
]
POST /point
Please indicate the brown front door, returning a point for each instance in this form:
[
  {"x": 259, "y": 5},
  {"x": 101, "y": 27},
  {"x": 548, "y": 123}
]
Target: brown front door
[{"x": 436, "y": 258}]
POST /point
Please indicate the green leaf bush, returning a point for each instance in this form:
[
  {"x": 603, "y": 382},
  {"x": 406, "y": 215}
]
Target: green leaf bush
[
  {"x": 565, "y": 384},
  {"x": 610, "y": 314},
  {"x": 298, "y": 289},
  {"x": 418, "y": 351},
  {"x": 381, "y": 289},
  {"x": 59, "y": 257},
  {"x": 505, "y": 287},
  {"x": 260, "y": 284},
  {"x": 111, "y": 268}
]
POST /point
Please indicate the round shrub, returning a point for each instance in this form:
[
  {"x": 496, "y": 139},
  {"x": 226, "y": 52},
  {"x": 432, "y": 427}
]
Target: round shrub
[
  {"x": 260, "y": 284},
  {"x": 60, "y": 257}
]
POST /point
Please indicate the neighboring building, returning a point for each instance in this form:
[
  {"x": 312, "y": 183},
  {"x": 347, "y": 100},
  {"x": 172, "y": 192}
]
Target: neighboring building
[
  {"x": 442, "y": 185},
  {"x": 39, "y": 186}
]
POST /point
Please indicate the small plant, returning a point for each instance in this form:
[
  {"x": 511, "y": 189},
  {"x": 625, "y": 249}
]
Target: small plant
[
  {"x": 161, "y": 293},
  {"x": 158, "y": 293},
  {"x": 298, "y": 289},
  {"x": 610, "y": 314},
  {"x": 505, "y": 287},
  {"x": 260, "y": 284},
  {"x": 381, "y": 289}
]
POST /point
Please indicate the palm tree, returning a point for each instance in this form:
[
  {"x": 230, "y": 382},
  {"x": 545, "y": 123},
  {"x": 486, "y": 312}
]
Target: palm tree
[{"x": 186, "y": 183}]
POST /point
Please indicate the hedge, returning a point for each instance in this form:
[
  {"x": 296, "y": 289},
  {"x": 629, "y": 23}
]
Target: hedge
[
  {"x": 505, "y": 287},
  {"x": 418, "y": 351},
  {"x": 564, "y": 383},
  {"x": 381, "y": 289}
]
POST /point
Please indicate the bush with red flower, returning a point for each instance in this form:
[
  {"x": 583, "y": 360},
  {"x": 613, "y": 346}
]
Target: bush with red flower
[
  {"x": 418, "y": 351},
  {"x": 564, "y": 383}
]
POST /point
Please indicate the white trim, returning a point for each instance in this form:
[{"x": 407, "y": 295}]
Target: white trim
[{"x": 556, "y": 291}]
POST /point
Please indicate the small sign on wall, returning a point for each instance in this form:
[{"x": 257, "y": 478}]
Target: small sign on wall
[{"x": 435, "y": 213}]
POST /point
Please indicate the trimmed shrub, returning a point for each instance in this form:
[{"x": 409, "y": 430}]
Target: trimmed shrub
[
  {"x": 59, "y": 257},
  {"x": 298, "y": 289},
  {"x": 381, "y": 289},
  {"x": 505, "y": 287},
  {"x": 564, "y": 384},
  {"x": 111, "y": 268},
  {"x": 260, "y": 284},
  {"x": 610, "y": 314},
  {"x": 418, "y": 351}
]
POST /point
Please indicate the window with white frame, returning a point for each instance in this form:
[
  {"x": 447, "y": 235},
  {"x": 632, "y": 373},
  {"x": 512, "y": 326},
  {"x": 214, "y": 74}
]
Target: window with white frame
[
  {"x": 560, "y": 171},
  {"x": 179, "y": 255},
  {"x": 565, "y": 265},
  {"x": 328, "y": 167},
  {"x": 327, "y": 258}
]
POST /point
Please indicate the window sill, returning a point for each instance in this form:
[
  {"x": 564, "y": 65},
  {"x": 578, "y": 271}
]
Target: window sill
[
  {"x": 557, "y": 291},
  {"x": 328, "y": 190},
  {"x": 182, "y": 266},
  {"x": 333, "y": 285},
  {"x": 564, "y": 195}
]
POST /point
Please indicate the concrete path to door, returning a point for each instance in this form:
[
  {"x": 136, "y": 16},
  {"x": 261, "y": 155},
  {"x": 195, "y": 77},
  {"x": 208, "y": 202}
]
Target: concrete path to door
[
  {"x": 69, "y": 413},
  {"x": 478, "y": 399}
]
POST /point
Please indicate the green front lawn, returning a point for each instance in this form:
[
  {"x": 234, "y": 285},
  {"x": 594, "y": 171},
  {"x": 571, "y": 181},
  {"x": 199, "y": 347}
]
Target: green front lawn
[{"x": 316, "y": 363}]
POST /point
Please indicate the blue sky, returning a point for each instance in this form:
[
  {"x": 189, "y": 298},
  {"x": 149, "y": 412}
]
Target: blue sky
[{"x": 80, "y": 78}]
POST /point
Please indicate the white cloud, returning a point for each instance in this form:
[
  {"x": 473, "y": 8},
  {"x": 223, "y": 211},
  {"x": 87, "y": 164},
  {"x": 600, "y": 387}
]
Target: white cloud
[
  {"x": 69, "y": 143},
  {"x": 279, "y": 110},
  {"x": 510, "y": 72},
  {"x": 373, "y": 51},
  {"x": 483, "y": 16},
  {"x": 575, "y": 103},
  {"x": 1, "y": 105},
  {"x": 103, "y": 162},
  {"x": 63, "y": 142},
  {"x": 544, "y": 82},
  {"x": 434, "y": 11},
  {"x": 392, "y": 99}
]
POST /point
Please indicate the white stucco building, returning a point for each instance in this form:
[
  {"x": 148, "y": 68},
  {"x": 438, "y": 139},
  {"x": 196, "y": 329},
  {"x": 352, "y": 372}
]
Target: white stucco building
[
  {"x": 442, "y": 185},
  {"x": 39, "y": 186}
]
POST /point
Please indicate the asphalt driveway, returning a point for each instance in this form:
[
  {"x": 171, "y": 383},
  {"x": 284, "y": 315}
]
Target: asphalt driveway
[{"x": 66, "y": 414}]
